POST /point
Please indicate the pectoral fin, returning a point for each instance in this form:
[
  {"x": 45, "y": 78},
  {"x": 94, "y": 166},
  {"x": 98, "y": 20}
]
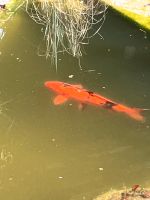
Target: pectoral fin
[{"x": 60, "y": 99}]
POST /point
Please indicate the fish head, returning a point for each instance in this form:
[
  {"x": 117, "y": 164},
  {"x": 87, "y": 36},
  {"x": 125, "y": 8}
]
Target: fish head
[{"x": 54, "y": 85}]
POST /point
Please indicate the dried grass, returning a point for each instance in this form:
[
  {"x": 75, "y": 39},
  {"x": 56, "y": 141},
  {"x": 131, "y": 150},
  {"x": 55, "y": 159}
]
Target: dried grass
[{"x": 67, "y": 23}]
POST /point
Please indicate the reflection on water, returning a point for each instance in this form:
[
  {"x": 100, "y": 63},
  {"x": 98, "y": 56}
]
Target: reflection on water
[
  {"x": 49, "y": 152},
  {"x": 2, "y": 33}
]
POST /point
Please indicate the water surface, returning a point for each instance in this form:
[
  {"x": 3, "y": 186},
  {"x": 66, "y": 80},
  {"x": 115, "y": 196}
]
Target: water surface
[{"x": 49, "y": 152}]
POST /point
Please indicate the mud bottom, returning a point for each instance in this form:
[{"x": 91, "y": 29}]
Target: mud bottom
[{"x": 135, "y": 193}]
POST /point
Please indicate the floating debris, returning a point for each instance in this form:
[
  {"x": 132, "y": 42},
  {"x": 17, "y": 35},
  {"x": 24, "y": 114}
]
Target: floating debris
[
  {"x": 71, "y": 76},
  {"x": 90, "y": 70},
  {"x": 53, "y": 139},
  {"x": 60, "y": 177},
  {"x": 101, "y": 168}
]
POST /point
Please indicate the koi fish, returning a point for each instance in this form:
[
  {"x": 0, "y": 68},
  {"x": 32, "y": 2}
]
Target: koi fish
[{"x": 67, "y": 91}]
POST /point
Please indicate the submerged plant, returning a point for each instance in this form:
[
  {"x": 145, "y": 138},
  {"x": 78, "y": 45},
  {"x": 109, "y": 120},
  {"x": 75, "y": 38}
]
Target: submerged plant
[{"x": 66, "y": 23}]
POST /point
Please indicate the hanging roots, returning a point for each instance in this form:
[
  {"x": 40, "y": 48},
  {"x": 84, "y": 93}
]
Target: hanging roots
[{"x": 66, "y": 23}]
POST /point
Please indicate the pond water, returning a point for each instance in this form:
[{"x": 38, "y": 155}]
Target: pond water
[{"x": 58, "y": 152}]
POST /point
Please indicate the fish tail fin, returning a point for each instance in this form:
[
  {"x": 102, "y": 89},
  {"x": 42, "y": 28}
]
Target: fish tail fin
[{"x": 135, "y": 113}]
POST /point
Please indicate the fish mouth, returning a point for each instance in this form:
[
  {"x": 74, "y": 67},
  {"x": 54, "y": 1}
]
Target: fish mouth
[
  {"x": 46, "y": 84},
  {"x": 52, "y": 84}
]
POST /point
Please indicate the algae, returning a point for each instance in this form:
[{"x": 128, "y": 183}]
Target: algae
[
  {"x": 10, "y": 10},
  {"x": 138, "y": 11}
]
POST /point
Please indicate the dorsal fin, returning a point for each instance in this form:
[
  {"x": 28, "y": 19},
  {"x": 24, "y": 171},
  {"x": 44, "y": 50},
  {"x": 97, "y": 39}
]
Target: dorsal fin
[{"x": 78, "y": 86}]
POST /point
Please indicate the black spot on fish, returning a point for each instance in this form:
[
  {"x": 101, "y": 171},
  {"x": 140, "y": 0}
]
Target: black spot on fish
[
  {"x": 90, "y": 92},
  {"x": 109, "y": 105}
]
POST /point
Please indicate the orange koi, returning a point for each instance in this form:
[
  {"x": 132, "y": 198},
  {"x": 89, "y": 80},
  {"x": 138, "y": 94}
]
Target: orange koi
[{"x": 67, "y": 91}]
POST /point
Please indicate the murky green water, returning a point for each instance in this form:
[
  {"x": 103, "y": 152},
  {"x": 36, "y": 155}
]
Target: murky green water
[{"x": 53, "y": 153}]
